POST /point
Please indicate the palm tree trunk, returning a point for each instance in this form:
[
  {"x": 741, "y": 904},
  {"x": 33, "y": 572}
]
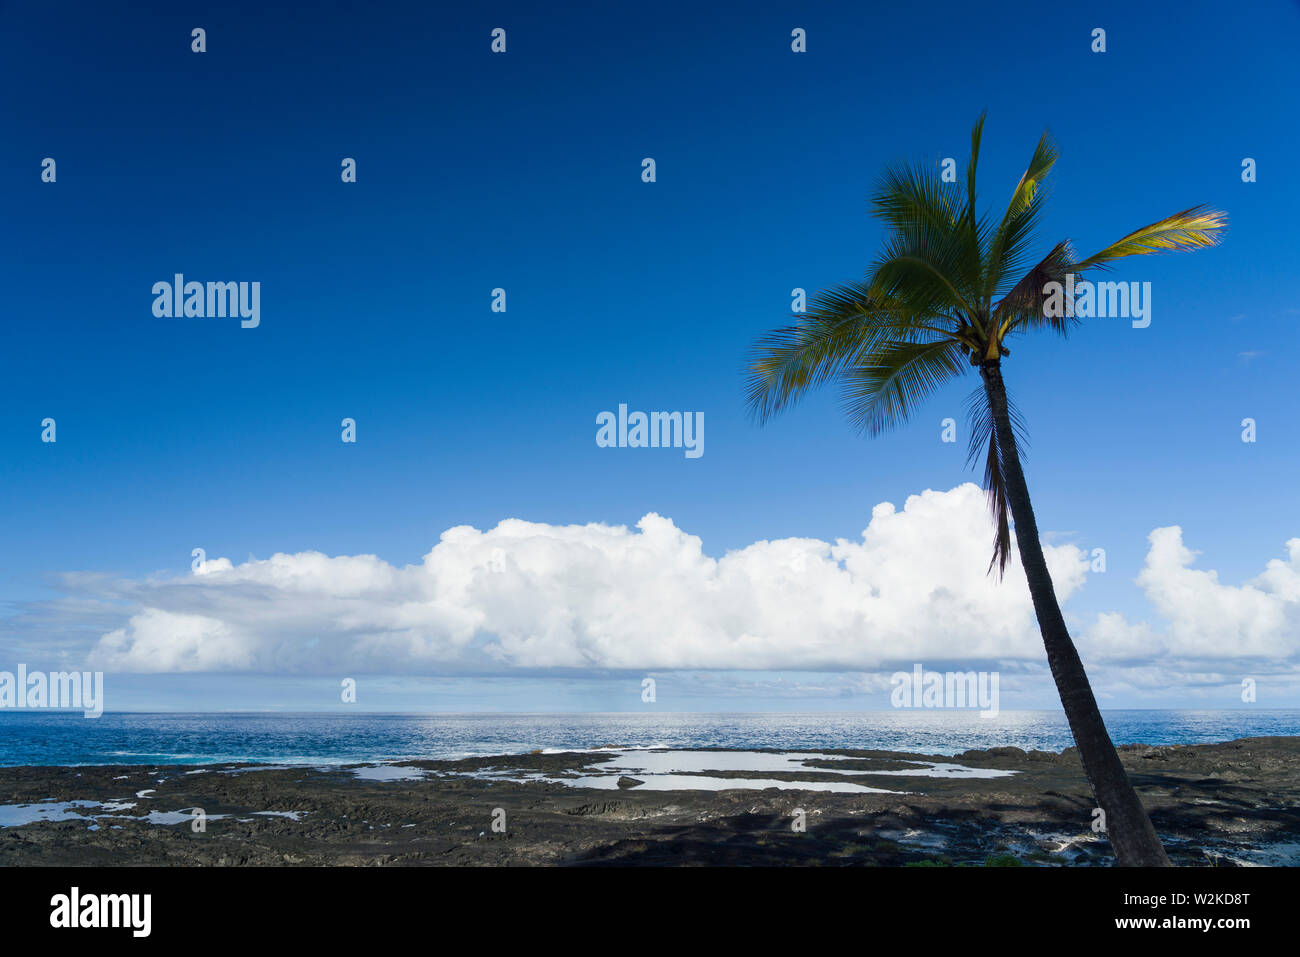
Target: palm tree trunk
[{"x": 1127, "y": 824}]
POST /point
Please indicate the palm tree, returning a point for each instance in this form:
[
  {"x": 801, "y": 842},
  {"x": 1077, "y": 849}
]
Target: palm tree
[{"x": 947, "y": 292}]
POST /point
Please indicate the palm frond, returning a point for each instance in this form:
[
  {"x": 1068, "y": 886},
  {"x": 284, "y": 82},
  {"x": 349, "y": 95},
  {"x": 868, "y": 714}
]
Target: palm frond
[
  {"x": 924, "y": 220},
  {"x": 910, "y": 194},
  {"x": 984, "y": 442},
  {"x": 1023, "y": 305},
  {"x": 920, "y": 278},
  {"x": 972, "y": 166},
  {"x": 881, "y": 392},
  {"x": 1193, "y": 228},
  {"x": 1010, "y": 240},
  {"x": 842, "y": 325}
]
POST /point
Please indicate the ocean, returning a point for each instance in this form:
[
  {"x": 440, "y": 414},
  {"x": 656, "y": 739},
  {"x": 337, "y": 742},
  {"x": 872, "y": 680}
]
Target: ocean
[{"x": 54, "y": 738}]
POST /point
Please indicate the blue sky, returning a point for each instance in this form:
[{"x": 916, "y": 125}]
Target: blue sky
[{"x": 522, "y": 171}]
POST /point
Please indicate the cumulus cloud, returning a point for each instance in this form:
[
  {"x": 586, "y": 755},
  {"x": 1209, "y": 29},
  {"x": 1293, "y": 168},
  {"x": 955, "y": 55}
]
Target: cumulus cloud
[
  {"x": 525, "y": 596},
  {"x": 528, "y": 598},
  {"x": 1205, "y": 619}
]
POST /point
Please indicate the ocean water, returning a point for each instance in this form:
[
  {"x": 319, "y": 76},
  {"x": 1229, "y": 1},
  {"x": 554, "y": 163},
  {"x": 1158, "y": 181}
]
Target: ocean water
[{"x": 46, "y": 738}]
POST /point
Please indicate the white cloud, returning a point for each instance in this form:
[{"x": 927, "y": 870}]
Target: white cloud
[
  {"x": 528, "y": 596},
  {"x": 1205, "y": 618},
  {"x": 525, "y": 598}
]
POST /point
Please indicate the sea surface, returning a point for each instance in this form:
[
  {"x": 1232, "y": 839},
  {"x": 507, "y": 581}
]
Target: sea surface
[{"x": 54, "y": 738}]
